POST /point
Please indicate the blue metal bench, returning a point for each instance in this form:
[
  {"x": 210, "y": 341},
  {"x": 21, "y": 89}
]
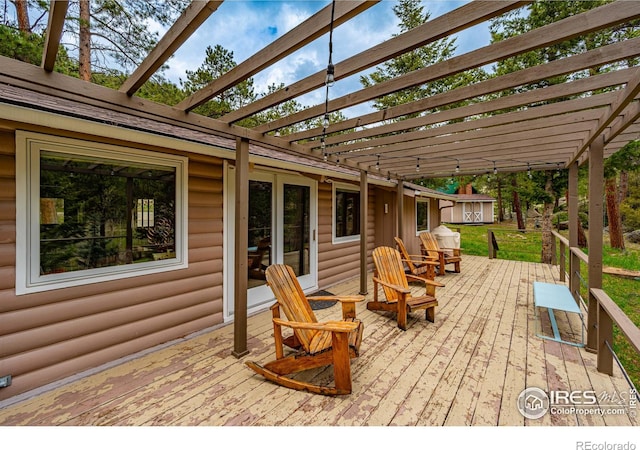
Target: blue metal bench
[{"x": 556, "y": 297}]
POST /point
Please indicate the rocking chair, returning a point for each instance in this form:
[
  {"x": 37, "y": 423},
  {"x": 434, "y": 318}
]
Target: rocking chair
[
  {"x": 391, "y": 276},
  {"x": 315, "y": 344}
]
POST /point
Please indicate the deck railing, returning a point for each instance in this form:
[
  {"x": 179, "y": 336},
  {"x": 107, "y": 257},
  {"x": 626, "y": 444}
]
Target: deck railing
[{"x": 608, "y": 313}]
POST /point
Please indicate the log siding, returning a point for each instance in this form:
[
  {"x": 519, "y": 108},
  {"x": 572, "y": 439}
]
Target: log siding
[{"x": 50, "y": 335}]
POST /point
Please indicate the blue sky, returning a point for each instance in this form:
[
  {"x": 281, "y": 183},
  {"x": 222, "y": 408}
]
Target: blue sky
[{"x": 244, "y": 27}]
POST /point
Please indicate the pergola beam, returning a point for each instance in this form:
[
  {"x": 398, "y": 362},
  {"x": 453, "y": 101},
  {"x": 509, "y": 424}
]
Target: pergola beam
[
  {"x": 593, "y": 20},
  {"x": 626, "y": 96},
  {"x": 457, "y": 20},
  {"x": 191, "y": 18},
  {"x": 55, "y": 26},
  {"x": 593, "y": 58},
  {"x": 306, "y": 32}
]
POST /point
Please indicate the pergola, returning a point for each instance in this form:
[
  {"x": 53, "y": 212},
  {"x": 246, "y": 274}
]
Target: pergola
[{"x": 560, "y": 126}]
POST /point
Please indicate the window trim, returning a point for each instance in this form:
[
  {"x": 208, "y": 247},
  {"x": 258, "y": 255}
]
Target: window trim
[
  {"x": 28, "y": 148},
  {"x": 342, "y": 239},
  {"x": 428, "y": 203}
]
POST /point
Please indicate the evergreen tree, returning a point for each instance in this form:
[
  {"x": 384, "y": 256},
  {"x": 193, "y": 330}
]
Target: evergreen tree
[{"x": 217, "y": 62}]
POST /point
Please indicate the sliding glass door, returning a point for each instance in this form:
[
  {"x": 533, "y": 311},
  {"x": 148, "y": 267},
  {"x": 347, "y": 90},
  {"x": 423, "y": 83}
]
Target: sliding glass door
[{"x": 282, "y": 229}]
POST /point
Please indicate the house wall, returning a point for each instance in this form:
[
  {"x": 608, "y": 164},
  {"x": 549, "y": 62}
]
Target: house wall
[
  {"x": 386, "y": 220},
  {"x": 410, "y": 232},
  {"x": 340, "y": 261},
  {"x": 50, "y": 335}
]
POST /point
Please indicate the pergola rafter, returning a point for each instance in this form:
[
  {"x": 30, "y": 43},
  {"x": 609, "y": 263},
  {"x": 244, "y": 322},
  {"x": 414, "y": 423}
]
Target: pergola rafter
[{"x": 470, "y": 123}]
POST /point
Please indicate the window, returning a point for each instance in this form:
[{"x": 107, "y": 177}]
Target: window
[
  {"x": 422, "y": 214},
  {"x": 95, "y": 213},
  {"x": 346, "y": 213}
]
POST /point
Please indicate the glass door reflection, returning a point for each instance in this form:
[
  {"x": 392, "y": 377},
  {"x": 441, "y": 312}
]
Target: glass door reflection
[
  {"x": 296, "y": 226},
  {"x": 260, "y": 223}
]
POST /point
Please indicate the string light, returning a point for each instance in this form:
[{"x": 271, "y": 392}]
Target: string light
[
  {"x": 331, "y": 70},
  {"x": 331, "y": 79},
  {"x": 378, "y": 164},
  {"x": 329, "y": 82},
  {"x": 418, "y": 165},
  {"x": 529, "y": 171}
]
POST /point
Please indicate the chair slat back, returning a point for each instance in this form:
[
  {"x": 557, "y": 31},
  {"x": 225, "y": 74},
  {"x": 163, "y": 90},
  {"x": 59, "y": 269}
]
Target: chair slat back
[
  {"x": 429, "y": 243},
  {"x": 405, "y": 254},
  {"x": 284, "y": 284},
  {"x": 390, "y": 269}
]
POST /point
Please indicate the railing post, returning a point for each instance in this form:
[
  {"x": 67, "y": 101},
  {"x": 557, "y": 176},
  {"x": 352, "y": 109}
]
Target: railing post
[
  {"x": 563, "y": 261},
  {"x": 574, "y": 261},
  {"x": 605, "y": 334},
  {"x": 596, "y": 209},
  {"x": 554, "y": 259}
]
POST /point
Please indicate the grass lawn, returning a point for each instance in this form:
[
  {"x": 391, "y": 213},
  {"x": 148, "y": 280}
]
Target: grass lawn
[{"x": 527, "y": 246}]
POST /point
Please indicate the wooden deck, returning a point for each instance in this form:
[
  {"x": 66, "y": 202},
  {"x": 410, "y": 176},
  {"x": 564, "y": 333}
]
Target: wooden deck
[{"x": 467, "y": 368}]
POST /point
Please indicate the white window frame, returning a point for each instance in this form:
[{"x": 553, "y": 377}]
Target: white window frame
[
  {"x": 342, "y": 187},
  {"x": 428, "y": 202},
  {"x": 28, "y": 148}
]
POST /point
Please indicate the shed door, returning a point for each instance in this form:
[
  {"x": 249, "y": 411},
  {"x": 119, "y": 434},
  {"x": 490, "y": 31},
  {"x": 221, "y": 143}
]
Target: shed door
[{"x": 472, "y": 212}]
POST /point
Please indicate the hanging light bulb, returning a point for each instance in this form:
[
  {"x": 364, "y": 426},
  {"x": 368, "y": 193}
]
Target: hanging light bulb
[
  {"x": 529, "y": 171},
  {"x": 495, "y": 170},
  {"x": 458, "y": 168},
  {"x": 418, "y": 165},
  {"x": 378, "y": 164},
  {"x": 325, "y": 122},
  {"x": 331, "y": 79}
]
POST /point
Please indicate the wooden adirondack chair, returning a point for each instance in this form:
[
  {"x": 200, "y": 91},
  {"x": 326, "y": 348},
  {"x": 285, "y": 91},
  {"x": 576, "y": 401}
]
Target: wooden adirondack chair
[
  {"x": 315, "y": 344},
  {"x": 391, "y": 276},
  {"x": 444, "y": 256},
  {"x": 420, "y": 266},
  {"x": 256, "y": 266}
]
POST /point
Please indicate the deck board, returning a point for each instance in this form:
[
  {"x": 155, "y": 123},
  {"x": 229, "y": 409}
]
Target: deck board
[{"x": 467, "y": 368}]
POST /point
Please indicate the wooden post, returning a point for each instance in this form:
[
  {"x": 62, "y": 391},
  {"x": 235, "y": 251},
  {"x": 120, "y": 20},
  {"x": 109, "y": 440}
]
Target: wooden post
[
  {"x": 241, "y": 246},
  {"x": 605, "y": 334},
  {"x": 554, "y": 249},
  {"x": 596, "y": 209},
  {"x": 574, "y": 261},
  {"x": 400, "y": 206},
  {"x": 364, "y": 225}
]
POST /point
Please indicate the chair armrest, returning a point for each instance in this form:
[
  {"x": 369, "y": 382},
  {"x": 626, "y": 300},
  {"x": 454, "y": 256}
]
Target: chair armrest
[
  {"x": 422, "y": 261},
  {"x": 431, "y": 282},
  {"x": 395, "y": 287},
  {"x": 333, "y": 326},
  {"x": 340, "y": 298}
]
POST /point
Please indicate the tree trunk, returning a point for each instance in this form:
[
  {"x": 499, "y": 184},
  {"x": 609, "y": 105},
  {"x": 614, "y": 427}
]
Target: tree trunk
[
  {"x": 547, "y": 226},
  {"x": 516, "y": 205},
  {"x": 613, "y": 214},
  {"x": 623, "y": 192},
  {"x": 84, "y": 51},
  {"x": 582, "y": 237},
  {"x": 22, "y": 11}
]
